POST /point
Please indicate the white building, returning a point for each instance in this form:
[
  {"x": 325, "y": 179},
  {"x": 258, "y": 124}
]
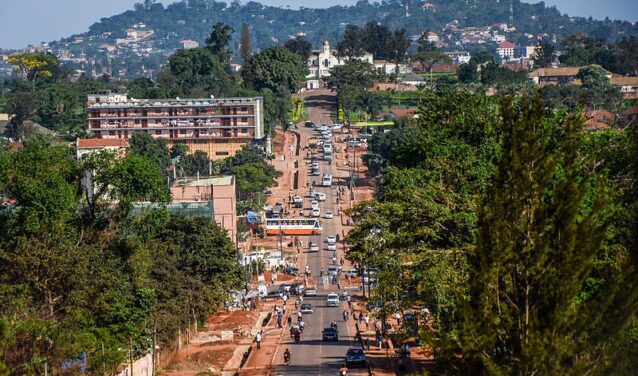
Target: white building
[
  {"x": 505, "y": 50},
  {"x": 321, "y": 61},
  {"x": 188, "y": 44},
  {"x": 388, "y": 67}
]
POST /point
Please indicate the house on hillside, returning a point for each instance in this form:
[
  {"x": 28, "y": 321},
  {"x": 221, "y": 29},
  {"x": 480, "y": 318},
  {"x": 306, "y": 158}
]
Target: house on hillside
[
  {"x": 95, "y": 145},
  {"x": 628, "y": 86},
  {"x": 413, "y": 80},
  {"x": 505, "y": 50},
  {"x": 555, "y": 76}
]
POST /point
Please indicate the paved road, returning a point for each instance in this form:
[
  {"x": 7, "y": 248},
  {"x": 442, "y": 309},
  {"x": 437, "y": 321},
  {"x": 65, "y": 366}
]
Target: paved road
[{"x": 312, "y": 356}]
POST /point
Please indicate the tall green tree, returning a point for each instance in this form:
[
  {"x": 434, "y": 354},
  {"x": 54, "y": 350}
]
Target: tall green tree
[
  {"x": 301, "y": 47},
  {"x": 540, "y": 231},
  {"x": 351, "y": 44},
  {"x": 218, "y": 40},
  {"x": 154, "y": 149},
  {"x": 244, "y": 44},
  {"x": 354, "y": 72},
  {"x": 274, "y": 68},
  {"x": 544, "y": 54}
]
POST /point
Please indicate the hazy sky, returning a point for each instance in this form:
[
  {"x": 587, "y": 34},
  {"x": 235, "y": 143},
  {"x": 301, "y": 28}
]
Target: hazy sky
[{"x": 25, "y": 22}]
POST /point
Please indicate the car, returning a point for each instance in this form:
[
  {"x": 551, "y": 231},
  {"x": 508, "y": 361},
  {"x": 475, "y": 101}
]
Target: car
[
  {"x": 292, "y": 271},
  {"x": 332, "y": 247},
  {"x": 285, "y": 286},
  {"x": 310, "y": 292},
  {"x": 356, "y": 357},
  {"x": 337, "y": 127},
  {"x": 329, "y": 214},
  {"x": 298, "y": 200},
  {"x": 324, "y": 128},
  {"x": 309, "y": 124},
  {"x": 306, "y": 308},
  {"x": 315, "y": 172},
  {"x": 274, "y": 294},
  {"x": 316, "y": 212},
  {"x": 367, "y": 136},
  {"x": 332, "y": 270},
  {"x": 314, "y": 247},
  {"x": 354, "y": 143},
  {"x": 314, "y": 204},
  {"x": 331, "y": 239},
  {"x": 330, "y": 334},
  {"x": 297, "y": 288},
  {"x": 332, "y": 300}
]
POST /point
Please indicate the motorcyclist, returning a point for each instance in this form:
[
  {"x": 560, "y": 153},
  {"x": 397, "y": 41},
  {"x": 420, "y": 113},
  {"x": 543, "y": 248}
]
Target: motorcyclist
[
  {"x": 287, "y": 356},
  {"x": 343, "y": 371},
  {"x": 296, "y": 335},
  {"x": 302, "y": 325},
  {"x": 333, "y": 324}
]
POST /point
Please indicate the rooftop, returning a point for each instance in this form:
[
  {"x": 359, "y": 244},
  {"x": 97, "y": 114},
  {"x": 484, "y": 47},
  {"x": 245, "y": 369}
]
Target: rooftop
[
  {"x": 189, "y": 102},
  {"x": 506, "y": 44},
  {"x": 205, "y": 182},
  {"x": 91, "y": 143}
]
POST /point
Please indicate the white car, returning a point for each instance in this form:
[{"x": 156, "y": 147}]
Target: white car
[
  {"x": 324, "y": 128},
  {"x": 320, "y": 196},
  {"x": 332, "y": 300},
  {"x": 332, "y": 247},
  {"x": 332, "y": 239},
  {"x": 316, "y": 212},
  {"x": 306, "y": 308},
  {"x": 329, "y": 214},
  {"x": 314, "y": 204},
  {"x": 337, "y": 127},
  {"x": 314, "y": 247}
]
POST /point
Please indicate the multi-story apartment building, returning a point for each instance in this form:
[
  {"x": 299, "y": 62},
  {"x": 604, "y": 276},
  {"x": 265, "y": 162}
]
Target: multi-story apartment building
[{"x": 218, "y": 126}]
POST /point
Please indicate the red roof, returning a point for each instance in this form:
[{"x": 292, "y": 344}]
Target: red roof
[
  {"x": 631, "y": 111},
  {"x": 401, "y": 112},
  {"x": 599, "y": 115},
  {"x": 506, "y": 44},
  {"x": 92, "y": 143}
]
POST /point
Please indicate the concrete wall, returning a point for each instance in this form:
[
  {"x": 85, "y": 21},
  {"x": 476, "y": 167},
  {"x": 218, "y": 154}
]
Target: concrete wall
[{"x": 141, "y": 367}]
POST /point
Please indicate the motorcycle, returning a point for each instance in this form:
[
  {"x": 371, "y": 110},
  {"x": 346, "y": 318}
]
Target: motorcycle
[
  {"x": 287, "y": 357},
  {"x": 297, "y": 337}
]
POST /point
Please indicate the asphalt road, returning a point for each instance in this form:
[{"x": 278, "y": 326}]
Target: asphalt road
[{"x": 312, "y": 356}]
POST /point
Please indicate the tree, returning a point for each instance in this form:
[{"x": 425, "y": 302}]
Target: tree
[
  {"x": 351, "y": 44},
  {"x": 244, "y": 44},
  {"x": 428, "y": 58},
  {"x": 154, "y": 149},
  {"x": 626, "y": 56},
  {"x": 33, "y": 65},
  {"x": 179, "y": 150},
  {"x": 218, "y": 40},
  {"x": 400, "y": 45},
  {"x": 597, "y": 86},
  {"x": 579, "y": 50},
  {"x": 274, "y": 68},
  {"x": 355, "y": 73},
  {"x": 467, "y": 73},
  {"x": 196, "y": 164},
  {"x": 198, "y": 73},
  {"x": 301, "y": 47},
  {"x": 540, "y": 230},
  {"x": 544, "y": 54}
]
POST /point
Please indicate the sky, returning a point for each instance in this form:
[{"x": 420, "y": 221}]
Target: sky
[{"x": 24, "y": 22}]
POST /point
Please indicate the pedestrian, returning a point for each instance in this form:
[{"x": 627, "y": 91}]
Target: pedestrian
[
  {"x": 345, "y": 315},
  {"x": 258, "y": 340},
  {"x": 289, "y": 321},
  {"x": 368, "y": 344},
  {"x": 367, "y": 320}
]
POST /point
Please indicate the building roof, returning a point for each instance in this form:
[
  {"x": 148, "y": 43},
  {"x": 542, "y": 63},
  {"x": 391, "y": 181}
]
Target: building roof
[
  {"x": 554, "y": 72},
  {"x": 599, "y": 115},
  {"x": 204, "y": 182},
  {"x": 506, "y": 44},
  {"x": 631, "y": 111},
  {"x": 187, "y": 102},
  {"x": 624, "y": 81},
  {"x": 402, "y": 112},
  {"x": 92, "y": 143}
]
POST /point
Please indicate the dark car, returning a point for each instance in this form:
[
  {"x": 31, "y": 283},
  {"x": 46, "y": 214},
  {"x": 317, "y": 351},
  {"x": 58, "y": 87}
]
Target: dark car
[
  {"x": 356, "y": 357},
  {"x": 330, "y": 334},
  {"x": 273, "y": 294}
]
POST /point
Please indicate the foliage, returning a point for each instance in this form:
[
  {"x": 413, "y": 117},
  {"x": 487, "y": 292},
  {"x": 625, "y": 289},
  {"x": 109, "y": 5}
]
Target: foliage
[
  {"x": 217, "y": 42},
  {"x": 376, "y": 39},
  {"x": 276, "y": 69},
  {"x": 154, "y": 149},
  {"x": 300, "y": 46},
  {"x": 33, "y": 65},
  {"x": 539, "y": 235},
  {"x": 196, "y": 164},
  {"x": 74, "y": 284},
  {"x": 355, "y": 73},
  {"x": 544, "y": 54},
  {"x": 244, "y": 48}
]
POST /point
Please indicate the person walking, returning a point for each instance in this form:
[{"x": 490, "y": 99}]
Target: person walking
[
  {"x": 258, "y": 340},
  {"x": 367, "y": 320},
  {"x": 345, "y": 315}
]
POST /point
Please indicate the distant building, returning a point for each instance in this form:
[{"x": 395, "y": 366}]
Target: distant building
[
  {"x": 628, "y": 86},
  {"x": 188, "y": 44},
  {"x": 432, "y": 37},
  {"x": 106, "y": 97},
  {"x": 213, "y": 196},
  {"x": 388, "y": 67},
  {"x": 505, "y": 50},
  {"x": 525, "y": 52},
  {"x": 216, "y": 126},
  {"x": 94, "y": 145},
  {"x": 459, "y": 57},
  {"x": 554, "y": 76},
  {"x": 321, "y": 61},
  {"x": 413, "y": 80}
]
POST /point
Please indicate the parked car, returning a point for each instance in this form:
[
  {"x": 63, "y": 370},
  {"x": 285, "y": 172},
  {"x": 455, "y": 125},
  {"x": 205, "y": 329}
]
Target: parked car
[
  {"x": 356, "y": 357},
  {"x": 352, "y": 273},
  {"x": 332, "y": 247},
  {"x": 306, "y": 308},
  {"x": 331, "y": 239},
  {"x": 316, "y": 212},
  {"x": 309, "y": 124},
  {"x": 310, "y": 292},
  {"x": 330, "y": 334},
  {"x": 329, "y": 214},
  {"x": 315, "y": 172},
  {"x": 314, "y": 204},
  {"x": 332, "y": 270},
  {"x": 291, "y": 270},
  {"x": 286, "y": 285},
  {"x": 274, "y": 294},
  {"x": 320, "y": 196}
]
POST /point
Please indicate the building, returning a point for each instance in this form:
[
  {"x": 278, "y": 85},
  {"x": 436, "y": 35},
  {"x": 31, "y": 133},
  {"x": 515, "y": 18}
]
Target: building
[
  {"x": 321, "y": 61},
  {"x": 188, "y": 44},
  {"x": 432, "y": 37},
  {"x": 459, "y": 57},
  {"x": 505, "y": 50},
  {"x": 555, "y": 76},
  {"x": 214, "y": 197},
  {"x": 525, "y": 52},
  {"x": 628, "y": 86},
  {"x": 95, "y": 145},
  {"x": 216, "y": 126},
  {"x": 413, "y": 79},
  {"x": 388, "y": 67},
  {"x": 106, "y": 97}
]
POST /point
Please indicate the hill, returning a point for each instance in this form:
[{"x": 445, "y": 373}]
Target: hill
[{"x": 108, "y": 47}]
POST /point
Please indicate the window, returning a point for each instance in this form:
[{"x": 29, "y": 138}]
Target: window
[
  {"x": 221, "y": 153},
  {"x": 158, "y": 132},
  {"x": 111, "y": 133},
  {"x": 182, "y": 131}
]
